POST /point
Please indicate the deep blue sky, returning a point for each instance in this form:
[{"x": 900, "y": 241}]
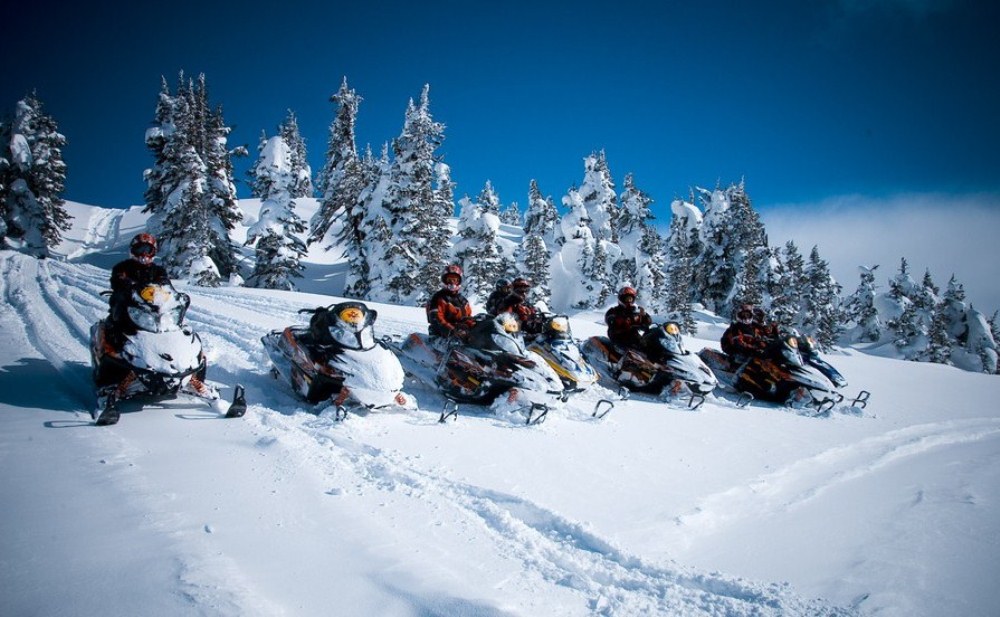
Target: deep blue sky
[{"x": 806, "y": 100}]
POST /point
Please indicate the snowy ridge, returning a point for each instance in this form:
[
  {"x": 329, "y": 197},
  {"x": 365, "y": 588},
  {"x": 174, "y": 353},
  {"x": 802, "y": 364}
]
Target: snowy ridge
[{"x": 651, "y": 511}]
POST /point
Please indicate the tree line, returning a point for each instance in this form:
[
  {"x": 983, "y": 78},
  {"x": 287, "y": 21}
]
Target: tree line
[{"x": 391, "y": 216}]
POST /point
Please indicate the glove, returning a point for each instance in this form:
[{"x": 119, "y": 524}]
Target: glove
[{"x": 460, "y": 332}]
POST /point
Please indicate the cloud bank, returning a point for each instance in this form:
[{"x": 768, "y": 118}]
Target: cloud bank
[{"x": 947, "y": 234}]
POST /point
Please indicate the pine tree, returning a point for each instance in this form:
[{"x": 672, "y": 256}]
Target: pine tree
[
  {"x": 938, "y": 342},
  {"x": 534, "y": 257},
  {"x": 190, "y": 192},
  {"x": 416, "y": 219},
  {"x": 368, "y": 274},
  {"x": 860, "y": 308},
  {"x": 682, "y": 251},
  {"x": 633, "y": 223},
  {"x": 511, "y": 215},
  {"x": 790, "y": 282},
  {"x": 32, "y": 210},
  {"x": 541, "y": 217},
  {"x": 278, "y": 250},
  {"x": 340, "y": 180},
  {"x": 478, "y": 250},
  {"x": 302, "y": 185},
  {"x": 953, "y": 309},
  {"x": 488, "y": 200},
  {"x": 822, "y": 316}
]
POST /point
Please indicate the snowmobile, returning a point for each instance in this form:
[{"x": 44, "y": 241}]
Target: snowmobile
[
  {"x": 337, "y": 358},
  {"x": 492, "y": 368},
  {"x": 155, "y": 354},
  {"x": 664, "y": 368},
  {"x": 781, "y": 375},
  {"x": 556, "y": 345}
]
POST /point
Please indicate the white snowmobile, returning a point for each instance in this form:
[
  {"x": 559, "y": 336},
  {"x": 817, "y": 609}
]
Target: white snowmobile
[
  {"x": 663, "y": 367},
  {"x": 336, "y": 358},
  {"x": 155, "y": 353},
  {"x": 493, "y": 368}
]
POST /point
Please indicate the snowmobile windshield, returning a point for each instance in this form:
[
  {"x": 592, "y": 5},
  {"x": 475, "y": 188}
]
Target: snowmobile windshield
[
  {"x": 509, "y": 342},
  {"x": 790, "y": 351},
  {"x": 158, "y": 308},
  {"x": 671, "y": 343},
  {"x": 352, "y": 326}
]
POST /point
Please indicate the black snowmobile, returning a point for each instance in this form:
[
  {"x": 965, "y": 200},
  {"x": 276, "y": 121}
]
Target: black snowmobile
[
  {"x": 493, "y": 367},
  {"x": 337, "y": 358},
  {"x": 663, "y": 367},
  {"x": 154, "y": 353},
  {"x": 784, "y": 375}
]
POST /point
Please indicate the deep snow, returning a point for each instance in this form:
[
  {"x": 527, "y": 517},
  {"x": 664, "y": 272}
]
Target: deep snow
[{"x": 652, "y": 510}]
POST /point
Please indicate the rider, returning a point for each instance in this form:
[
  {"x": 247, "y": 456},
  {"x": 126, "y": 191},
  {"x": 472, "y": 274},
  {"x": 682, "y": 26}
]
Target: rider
[
  {"x": 744, "y": 339},
  {"x": 517, "y": 303},
  {"x": 137, "y": 271},
  {"x": 448, "y": 311},
  {"x": 498, "y": 295},
  {"x": 627, "y": 320}
]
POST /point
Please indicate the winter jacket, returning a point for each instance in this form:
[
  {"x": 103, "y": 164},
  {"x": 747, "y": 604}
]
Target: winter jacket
[
  {"x": 625, "y": 325},
  {"x": 447, "y": 311},
  {"x": 128, "y": 275},
  {"x": 495, "y": 299},
  {"x": 744, "y": 340}
]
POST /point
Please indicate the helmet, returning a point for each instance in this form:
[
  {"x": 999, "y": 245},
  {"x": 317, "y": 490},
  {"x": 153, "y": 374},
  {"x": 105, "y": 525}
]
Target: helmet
[
  {"x": 142, "y": 248},
  {"x": 626, "y": 292},
  {"x": 744, "y": 314},
  {"x": 521, "y": 283},
  {"x": 503, "y": 284},
  {"x": 452, "y": 269}
]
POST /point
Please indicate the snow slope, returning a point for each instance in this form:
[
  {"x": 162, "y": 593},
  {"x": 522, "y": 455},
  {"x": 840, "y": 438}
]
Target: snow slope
[{"x": 651, "y": 511}]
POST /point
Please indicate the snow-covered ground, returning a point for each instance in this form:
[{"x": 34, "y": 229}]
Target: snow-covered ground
[{"x": 653, "y": 510}]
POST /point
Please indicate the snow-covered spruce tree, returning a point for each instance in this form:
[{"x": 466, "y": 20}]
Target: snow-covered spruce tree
[
  {"x": 682, "y": 249},
  {"x": 488, "y": 201},
  {"x": 822, "y": 316},
  {"x": 588, "y": 256},
  {"x": 278, "y": 250},
  {"x": 511, "y": 214},
  {"x": 790, "y": 284},
  {"x": 953, "y": 310},
  {"x": 302, "y": 185},
  {"x": 534, "y": 258},
  {"x": 638, "y": 247},
  {"x": 541, "y": 217},
  {"x": 368, "y": 273},
  {"x": 754, "y": 275},
  {"x": 534, "y": 255},
  {"x": 860, "y": 309},
  {"x": 437, "y": 251},
  {"x": 418, "y": 227},
  {"x": 340, "y": 181},
  {"x": 926, "y": 295},
  {"x": 32, "y": 179},
  {"x": 479, "y": 251},
  {"x": 732, "y": 239},
  {"x": 938, "y": 348},
  {"x": 190, "y": 192}
]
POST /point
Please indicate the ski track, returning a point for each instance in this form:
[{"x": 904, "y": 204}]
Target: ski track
[
  {"x": 806, "y": 479},
  {"x": 551, "y": 548},
  {"x": 58, "y": 303}
]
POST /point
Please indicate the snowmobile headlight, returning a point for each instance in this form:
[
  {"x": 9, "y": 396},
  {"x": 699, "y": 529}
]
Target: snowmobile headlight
[
  {"x": 672, "y": 329},
  {"x": 154, "y": 294},
  {"x": 559, "y": 325},
  {"x": 509, "y": 323},
  {"x": 352, "y": 315}
]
